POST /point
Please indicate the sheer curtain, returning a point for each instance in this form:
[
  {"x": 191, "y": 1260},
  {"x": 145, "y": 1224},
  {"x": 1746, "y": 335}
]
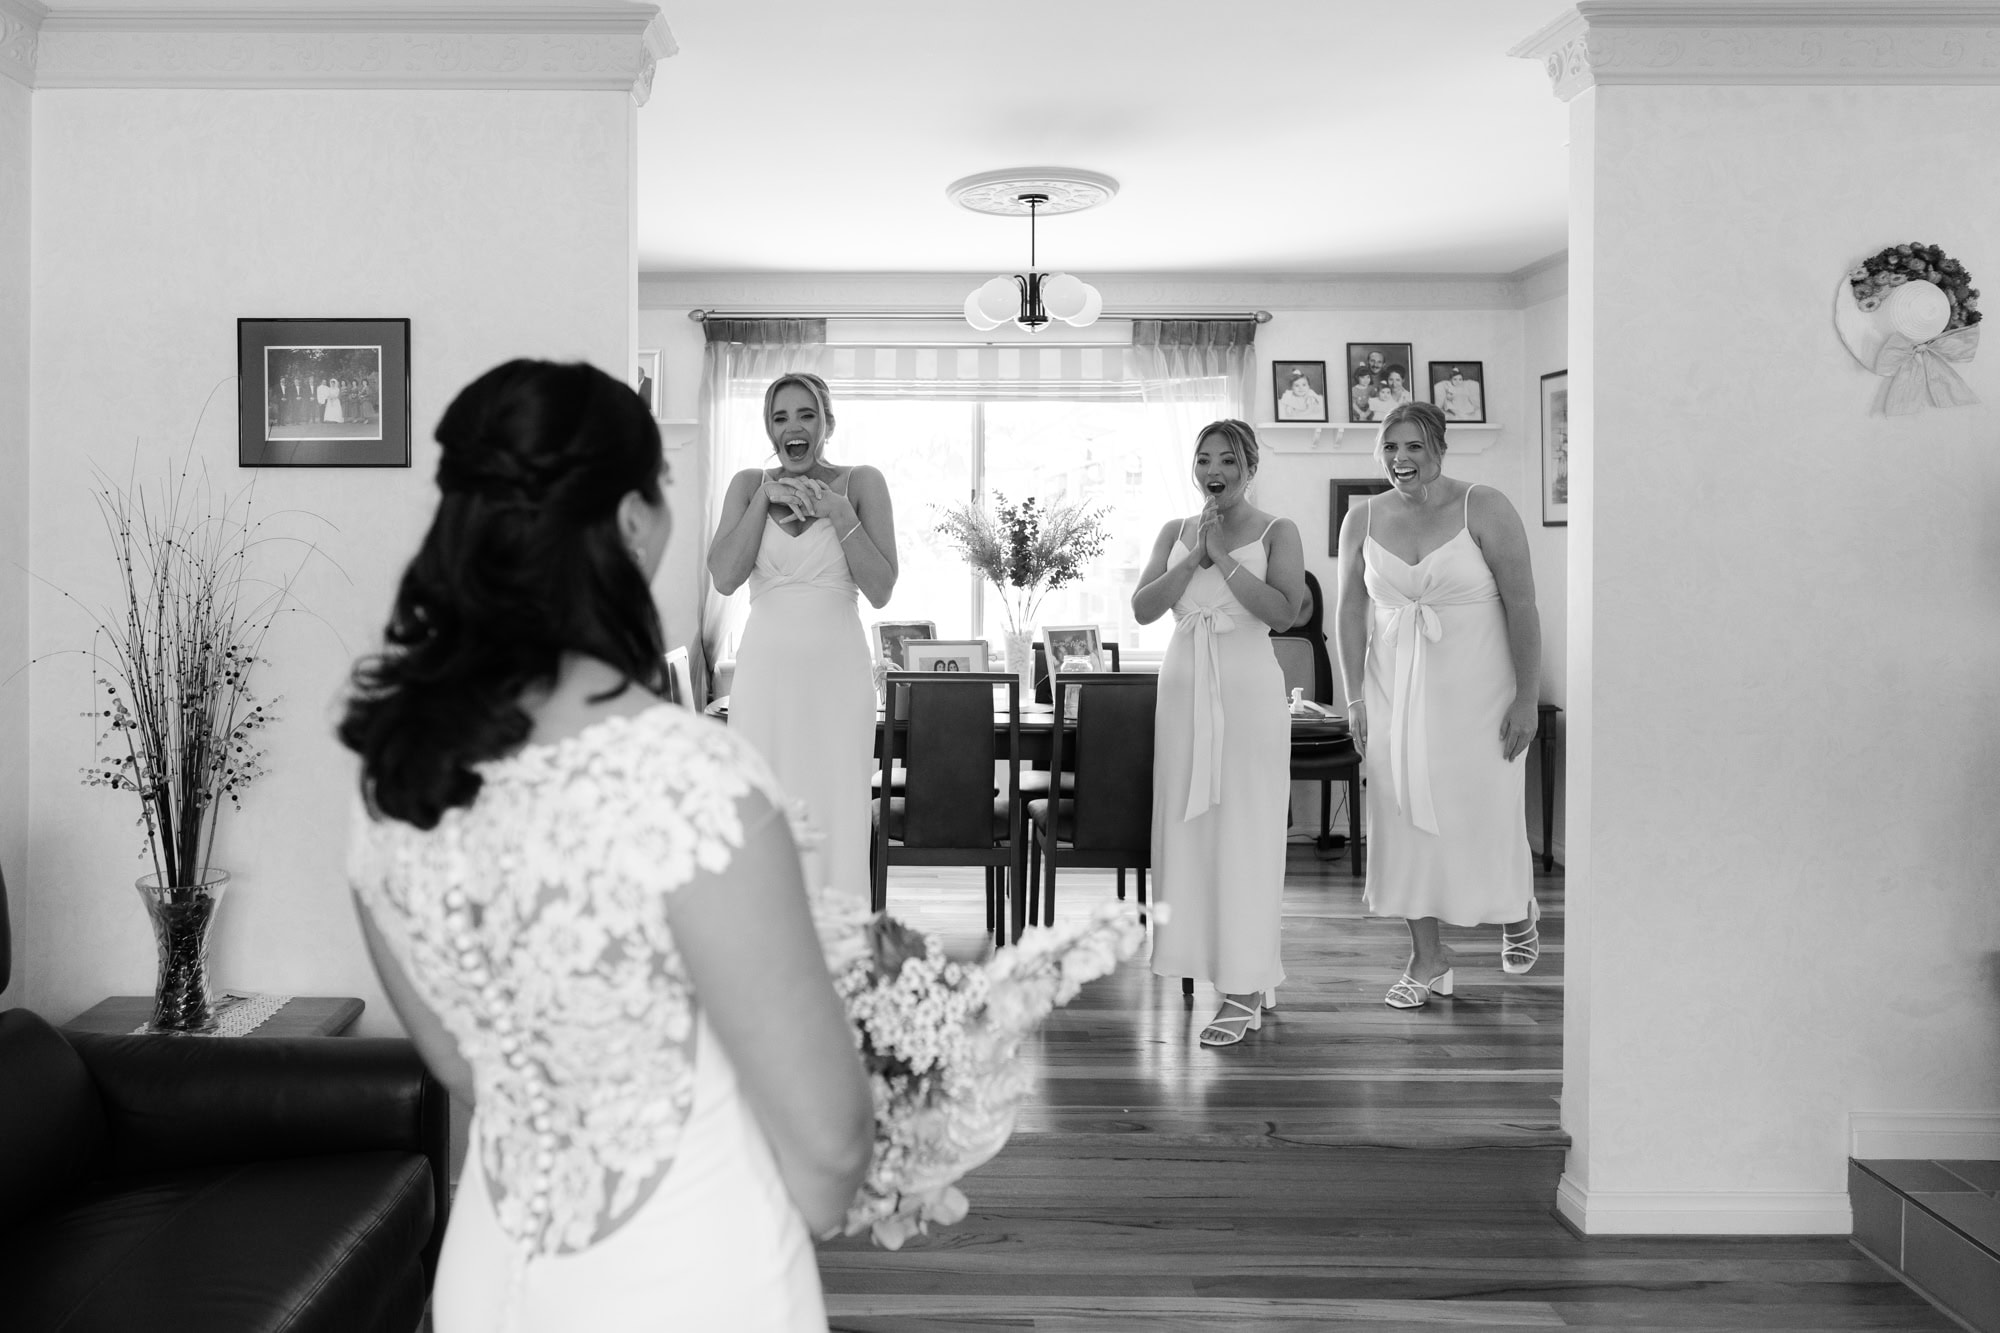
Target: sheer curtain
[
  {"x": 742, "y": 357},
  {"x": 1191, "y": 372}
]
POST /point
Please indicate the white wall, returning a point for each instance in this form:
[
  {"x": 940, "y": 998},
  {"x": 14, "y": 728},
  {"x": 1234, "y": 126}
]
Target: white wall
[
  {"x": 15, "y": 119},
  {"x": 500, "y": 223},
  {"x": 1786, "y": 622}
]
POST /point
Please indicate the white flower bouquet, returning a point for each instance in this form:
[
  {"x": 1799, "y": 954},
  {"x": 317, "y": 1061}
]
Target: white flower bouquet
[{"x": 941, "y": 1042}]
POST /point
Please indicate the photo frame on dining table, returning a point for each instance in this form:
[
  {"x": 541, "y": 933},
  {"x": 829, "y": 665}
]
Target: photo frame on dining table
[
  {"x": 945, "y": 655},
  {"x": 1065, "y": 643},
  {"x": 891, "y": 637}
]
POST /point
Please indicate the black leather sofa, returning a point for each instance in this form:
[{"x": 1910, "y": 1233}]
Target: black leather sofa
[{"x": 199, "y": 1185}]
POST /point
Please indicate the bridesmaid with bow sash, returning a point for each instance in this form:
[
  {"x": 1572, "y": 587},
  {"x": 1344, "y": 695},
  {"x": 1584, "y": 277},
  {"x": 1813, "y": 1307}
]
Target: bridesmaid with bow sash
[
  {"x": 1441, "y": 648},
  {"x": 1222, "y": 734}
]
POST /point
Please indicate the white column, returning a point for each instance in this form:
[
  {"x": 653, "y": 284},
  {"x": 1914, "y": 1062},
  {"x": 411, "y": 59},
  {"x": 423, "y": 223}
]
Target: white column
[{"x": 1784, "y": 614}]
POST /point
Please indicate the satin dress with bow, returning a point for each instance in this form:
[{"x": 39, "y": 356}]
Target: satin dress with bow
[
  {"x": 1447, "y": 819},
  {"x": 1222, "y": 767},
  {"x": 804, "y": 693}
]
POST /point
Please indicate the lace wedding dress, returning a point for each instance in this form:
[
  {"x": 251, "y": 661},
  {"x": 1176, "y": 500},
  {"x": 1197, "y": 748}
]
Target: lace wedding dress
[{"x": 615, "y": 1179}]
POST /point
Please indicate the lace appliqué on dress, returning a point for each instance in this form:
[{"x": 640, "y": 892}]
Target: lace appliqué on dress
[{"x": 533, "y": 924}]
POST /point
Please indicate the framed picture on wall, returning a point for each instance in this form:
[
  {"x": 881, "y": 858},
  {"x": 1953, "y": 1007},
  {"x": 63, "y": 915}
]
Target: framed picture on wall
[
  {"x": 1555, "y": 449},
  {"x": 323, "y": 392},
  {"x": 1298, "y": 390},
  {"x": 1343, "y": 494},
  {"x": 1378, "y": 379},
  {"x": 1458, "y": 389},
  {"x": 647, "y": 381}
]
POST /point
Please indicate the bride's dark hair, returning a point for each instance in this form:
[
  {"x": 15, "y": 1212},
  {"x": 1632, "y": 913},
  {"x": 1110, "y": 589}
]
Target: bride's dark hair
[{"x": 523, "y": 563}]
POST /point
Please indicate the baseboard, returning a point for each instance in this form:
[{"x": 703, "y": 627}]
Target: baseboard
[
  {"x": 1704, "y": 1212},
  {"x": 1971, "y": 1136}
]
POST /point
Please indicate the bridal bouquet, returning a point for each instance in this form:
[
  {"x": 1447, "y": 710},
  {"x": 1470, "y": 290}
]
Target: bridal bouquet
[{"x": 940, "y": 1040}]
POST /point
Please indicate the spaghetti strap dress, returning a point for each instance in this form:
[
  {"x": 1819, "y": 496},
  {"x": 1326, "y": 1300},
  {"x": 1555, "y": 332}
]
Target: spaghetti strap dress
[
  {"x": 1222, "y": 747},
  {"x": 1447, "y": 816},
  {"x": 804, "y": 693}
]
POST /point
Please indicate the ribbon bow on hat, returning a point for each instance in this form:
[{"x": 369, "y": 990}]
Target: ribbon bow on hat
[{"x": 1920, "y": 371}]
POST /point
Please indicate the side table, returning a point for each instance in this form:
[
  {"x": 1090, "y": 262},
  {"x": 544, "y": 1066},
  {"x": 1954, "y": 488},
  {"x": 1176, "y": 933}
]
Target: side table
[{"x": 301, "y": 1016}]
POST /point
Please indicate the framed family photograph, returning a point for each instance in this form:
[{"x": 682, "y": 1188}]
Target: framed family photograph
[
  {"x": 946, "y": 654},
  {"x": 1074, "y": 643},
  {"x": 1458, "y": 389},
  {"x": 1298, "y": 390},
  {"x": 892, "y": 636},
  {"x": 323, "y": 392},
  {"x": 646, "y": 380},
  {"x": 1341, "y": 495},
  {"x": 1555, "y": 449},
  {"x": 1378, "y": 379}
]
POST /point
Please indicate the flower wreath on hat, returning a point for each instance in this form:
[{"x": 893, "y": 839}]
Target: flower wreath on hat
[{"x": 1907, "y": 313}]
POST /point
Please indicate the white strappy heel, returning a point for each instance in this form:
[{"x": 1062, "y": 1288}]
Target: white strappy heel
[
  {"x": 1519, "y": 952},
  {"x": 1231, "y": 1027},
  {"x": 1409, "y": 993}
]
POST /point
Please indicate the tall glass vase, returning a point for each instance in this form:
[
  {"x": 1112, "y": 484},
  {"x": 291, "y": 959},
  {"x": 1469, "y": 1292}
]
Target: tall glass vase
[
  {"x": 182, "y": 915},
  {"x": 1021, "y": 659}
]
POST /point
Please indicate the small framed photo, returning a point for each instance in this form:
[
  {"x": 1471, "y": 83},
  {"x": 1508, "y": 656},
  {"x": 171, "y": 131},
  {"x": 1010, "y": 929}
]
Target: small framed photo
[
  {"x": 1458, "y": 389},
  {"x": 1298, "y": 390},
  {"x": 1343, "y": 494},
  {"x": 892, "y": 636},
  {"x": 1555, "y": 449},
  {"x": 646, "y": 380},
  {"x": 945, "y": 654},
  {"x": 1378, "y": 379},
  {"x": 323, "y": 392},
  {"x": 1068, "y": 644}
]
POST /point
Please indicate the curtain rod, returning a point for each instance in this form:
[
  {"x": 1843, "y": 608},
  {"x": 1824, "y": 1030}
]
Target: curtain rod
[{"x": 698, "y": 315}]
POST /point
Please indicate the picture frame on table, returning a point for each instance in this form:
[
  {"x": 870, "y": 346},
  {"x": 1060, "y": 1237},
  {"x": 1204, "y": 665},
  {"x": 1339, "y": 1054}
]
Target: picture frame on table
[
  {"x": 1458, "y": 389},
  {"x": 322, "y": 392},
  {"x": 1555, "y": 449},
  {"x": 1061, "y": 643},
  {"x": 1298, "y": 391},
  {"x": 1378, "y": 379},
  {"x": 646, "y": 383},
  {"x": 945, "y": 654},
  {"x": 1341, "y": 494},
  {"x": 891, "y": 637}
]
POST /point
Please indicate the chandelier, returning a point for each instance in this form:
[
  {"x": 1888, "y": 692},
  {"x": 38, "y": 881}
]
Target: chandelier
[{"x": 1033, "y": 298}]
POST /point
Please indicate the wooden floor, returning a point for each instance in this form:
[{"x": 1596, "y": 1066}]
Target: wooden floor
[{"x": 1348, "y": 1167}]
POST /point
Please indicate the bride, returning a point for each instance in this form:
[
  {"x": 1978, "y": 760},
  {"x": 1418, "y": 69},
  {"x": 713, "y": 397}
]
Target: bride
[{"x": 585, "y": 905}]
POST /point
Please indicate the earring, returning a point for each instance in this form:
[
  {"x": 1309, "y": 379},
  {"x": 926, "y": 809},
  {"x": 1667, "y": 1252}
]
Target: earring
[{"x": 638, "y": 555}]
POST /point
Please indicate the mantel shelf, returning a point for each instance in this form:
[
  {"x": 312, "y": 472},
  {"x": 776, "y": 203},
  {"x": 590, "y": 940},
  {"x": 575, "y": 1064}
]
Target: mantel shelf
[{"x": 1358, "y": 437}]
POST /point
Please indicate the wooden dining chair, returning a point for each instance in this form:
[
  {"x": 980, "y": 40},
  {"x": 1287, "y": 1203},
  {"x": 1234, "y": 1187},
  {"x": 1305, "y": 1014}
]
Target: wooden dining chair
[
  {"x": 957, "y": 748},
  {"x": 1302, "y": 656},
  {"x": 1106, "y": 820}
]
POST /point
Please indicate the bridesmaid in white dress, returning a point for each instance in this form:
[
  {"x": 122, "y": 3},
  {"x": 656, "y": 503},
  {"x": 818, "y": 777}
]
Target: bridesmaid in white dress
[
  {"x": 806, "y": 535},
  {"x": 1440, "y": 648},
  {"x": 586, "y": 907},
  {"x": 1223, "y": 735}
]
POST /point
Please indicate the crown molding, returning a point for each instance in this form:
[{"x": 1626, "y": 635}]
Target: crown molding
[
  {"x": 612, "y": 46},
  {"x": 803, "y": 293},
  {"x": 20, "y": 33},
  {"x": 1601, "y": 42}
]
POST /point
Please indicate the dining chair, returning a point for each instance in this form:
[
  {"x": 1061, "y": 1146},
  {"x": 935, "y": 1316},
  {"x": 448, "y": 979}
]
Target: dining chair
[
  {"x": 1042, "y": 667},
  {"x": 1035, "y": 781},
  {"x": 1302, "y": 656},
  {"x": 957, "y": 750},
  {"x": 680, "y": 680},
  {"x": 1106, "y": 820}
]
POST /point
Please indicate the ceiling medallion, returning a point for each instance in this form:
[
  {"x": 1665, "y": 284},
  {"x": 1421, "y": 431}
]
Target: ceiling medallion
[{"x": 1003, "y": 193}]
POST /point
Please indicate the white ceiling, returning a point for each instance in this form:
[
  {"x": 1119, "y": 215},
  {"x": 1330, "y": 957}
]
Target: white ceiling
[{"x": 1249, "y": 136}]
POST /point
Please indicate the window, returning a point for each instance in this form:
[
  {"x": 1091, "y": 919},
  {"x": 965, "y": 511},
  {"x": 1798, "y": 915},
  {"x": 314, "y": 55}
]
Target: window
[{"x": 938, "y": 452}]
